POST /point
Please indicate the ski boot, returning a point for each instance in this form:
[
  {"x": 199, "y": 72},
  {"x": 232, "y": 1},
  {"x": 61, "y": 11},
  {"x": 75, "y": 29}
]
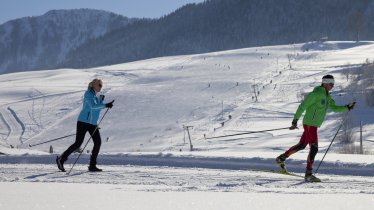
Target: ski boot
[
  {"x": 60, "y": 164},
  {"x": 93, "y": 168},
  {"x": 309, "y": 177},
  {"x": 280, "y": 161}
]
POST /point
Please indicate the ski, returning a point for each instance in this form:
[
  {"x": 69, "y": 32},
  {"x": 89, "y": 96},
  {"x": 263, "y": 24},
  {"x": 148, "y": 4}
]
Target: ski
[
  {"x": 282, "y": 172},
  {"x": 279, "y": 172}
]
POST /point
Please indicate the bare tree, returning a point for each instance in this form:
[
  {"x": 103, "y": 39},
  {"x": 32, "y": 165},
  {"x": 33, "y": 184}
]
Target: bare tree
[
  {"x": 301, "y": 95},
  {"x": 369, "y": 97},
  {"x": 289, "y": 57},
  {"x": 346, "y": 134},
  {"x": 347, "y": 72}
]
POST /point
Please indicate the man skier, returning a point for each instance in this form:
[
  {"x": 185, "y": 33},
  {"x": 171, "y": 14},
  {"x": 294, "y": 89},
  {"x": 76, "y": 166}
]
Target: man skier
[{"x": 316, "y": 105}]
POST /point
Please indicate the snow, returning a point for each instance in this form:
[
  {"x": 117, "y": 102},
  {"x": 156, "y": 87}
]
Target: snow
[
  {"x": 83, "y": 196},
  {"x": 145, "y": 151}
]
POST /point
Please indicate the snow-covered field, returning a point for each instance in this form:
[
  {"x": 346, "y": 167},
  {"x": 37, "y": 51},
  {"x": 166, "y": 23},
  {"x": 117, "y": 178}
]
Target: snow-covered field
[{"x": 146, "y": 153}]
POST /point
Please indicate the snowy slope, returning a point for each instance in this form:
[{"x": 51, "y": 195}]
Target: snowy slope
[
  {"x": 156, "y": 97},
  {"x": 145, "y": 148}
]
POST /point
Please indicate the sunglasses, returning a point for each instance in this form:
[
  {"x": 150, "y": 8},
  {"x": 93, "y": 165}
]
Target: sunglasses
[{"x": 100, "y": 85}]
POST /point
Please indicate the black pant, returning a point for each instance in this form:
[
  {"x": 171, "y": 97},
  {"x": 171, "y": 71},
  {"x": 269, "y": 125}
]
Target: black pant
[{"x": 82, "y": 129}]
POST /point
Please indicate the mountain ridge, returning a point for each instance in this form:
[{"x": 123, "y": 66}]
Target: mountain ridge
[
  {"x": 210, "y": 26},
  {"x": 44, "y": 41}
]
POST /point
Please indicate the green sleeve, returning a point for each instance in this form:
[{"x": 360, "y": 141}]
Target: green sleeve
[
  {"x": 310, "y": 99},
  {"x": 336, "y": 108}
]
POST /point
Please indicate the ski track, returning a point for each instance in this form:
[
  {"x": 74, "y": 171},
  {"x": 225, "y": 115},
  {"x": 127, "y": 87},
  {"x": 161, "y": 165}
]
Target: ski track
[
  {"x": 8, "y": 129},
  {"x": 44, "y": 96},
  {"x": 16, "y": 128},
  {"x": 171, "y": 179},
  {"x": 14, "y": 125},
  {"x": 164, "y": 173},
  {"x": 21, "y": 131}
]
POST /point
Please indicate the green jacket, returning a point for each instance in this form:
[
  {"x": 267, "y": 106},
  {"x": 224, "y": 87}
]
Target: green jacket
[{"x": 316, "y": 105}]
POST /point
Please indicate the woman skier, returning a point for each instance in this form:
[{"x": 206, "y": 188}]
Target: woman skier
[{"x": 87, "y": 121}]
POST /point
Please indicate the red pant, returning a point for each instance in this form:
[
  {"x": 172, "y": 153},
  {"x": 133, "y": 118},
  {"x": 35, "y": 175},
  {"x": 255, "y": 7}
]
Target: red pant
[{"x": 309, "y": 137}]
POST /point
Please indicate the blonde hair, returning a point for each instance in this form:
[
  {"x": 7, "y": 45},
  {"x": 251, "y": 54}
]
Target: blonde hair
[{"x": 93, "y": 82}]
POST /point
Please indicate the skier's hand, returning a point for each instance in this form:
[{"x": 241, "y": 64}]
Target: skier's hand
[
  {"x": 109, "y": 105},
  {"x": 351, "y": 106},
  {"x": 294, "y": 124}
]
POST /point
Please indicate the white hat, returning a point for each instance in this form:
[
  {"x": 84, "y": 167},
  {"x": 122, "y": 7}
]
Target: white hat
[{"x": 328, "y": 81}]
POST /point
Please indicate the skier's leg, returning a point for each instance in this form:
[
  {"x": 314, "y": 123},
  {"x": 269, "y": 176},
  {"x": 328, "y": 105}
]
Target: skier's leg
[
  {"x": 96, "y": 148},
  {"x": 313, "y": 137},
  {"x": 282, "y": 158},
  {"x": 81, "y": 132},
  {"x": 299, "y": 146},
  {"x": 313, "y": 147},
  {"x": 309, "y": 177},
  {"x": 312, "y": 154}
]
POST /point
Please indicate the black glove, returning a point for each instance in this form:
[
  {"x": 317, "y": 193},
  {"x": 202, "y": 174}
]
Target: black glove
[
  {"x": 351, "y": 106},
  {"x": 102, "y": 97},
  {"x": 294, "y": 124},
  {"x": 109, "y": 105}
]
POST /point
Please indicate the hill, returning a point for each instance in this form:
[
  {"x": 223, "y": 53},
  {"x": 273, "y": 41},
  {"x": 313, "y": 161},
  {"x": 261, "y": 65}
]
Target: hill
[
  {"x": 155, "y": 98},
  {"x": 88, "y": 38},
  {"x": 44, "y": 42}
]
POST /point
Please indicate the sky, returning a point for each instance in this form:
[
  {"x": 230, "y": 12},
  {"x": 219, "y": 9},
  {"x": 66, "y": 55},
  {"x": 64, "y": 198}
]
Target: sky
[{"x": 13, "y": 9}]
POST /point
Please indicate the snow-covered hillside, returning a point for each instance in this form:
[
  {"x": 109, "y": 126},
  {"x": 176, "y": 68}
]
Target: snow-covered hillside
[
  {"x": 145, "y": 147},
  {"x": 155, "y": 98}
]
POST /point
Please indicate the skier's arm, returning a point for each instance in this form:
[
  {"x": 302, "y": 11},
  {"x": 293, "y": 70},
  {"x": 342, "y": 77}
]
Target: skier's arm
[
  {"x": 102, "y": 98},
  {"x": 336, "y": 108},
  {"x": 92, "y": 103},
  {"x": 309, "y": 100}
]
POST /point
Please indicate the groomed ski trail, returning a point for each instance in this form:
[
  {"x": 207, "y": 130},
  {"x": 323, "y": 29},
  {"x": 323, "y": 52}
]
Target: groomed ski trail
[
  {"x": 172, "y": 179},
  {"x": 14, "y": 125}
]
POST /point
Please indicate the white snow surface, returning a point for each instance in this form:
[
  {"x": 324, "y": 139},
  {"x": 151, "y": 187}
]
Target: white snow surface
[{"x": 145, "y": 151}]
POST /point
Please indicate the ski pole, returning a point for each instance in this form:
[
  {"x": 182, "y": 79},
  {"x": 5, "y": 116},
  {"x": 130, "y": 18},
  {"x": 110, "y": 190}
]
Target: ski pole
[
  {"x": 249, "y": 132},
  {"x": 32, "y": 145},
  {"x": 330, "y": 144},
  {"x": 354, "y": 102},
  {"x": 80, "y": 153}
]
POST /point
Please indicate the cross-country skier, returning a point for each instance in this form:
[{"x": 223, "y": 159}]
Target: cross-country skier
[
  {"x": 87, "y": 121},
  {"x": 316, "y": 105}
]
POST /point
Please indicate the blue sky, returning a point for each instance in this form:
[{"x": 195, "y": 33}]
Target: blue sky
[{"x": 12, "y": 9}]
